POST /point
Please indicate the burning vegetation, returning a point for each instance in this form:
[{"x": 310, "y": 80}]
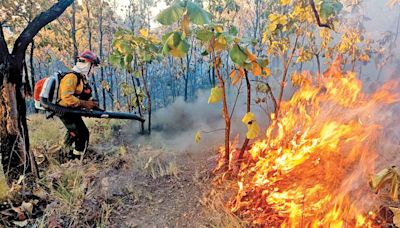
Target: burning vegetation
[{"x": 313, "y": 166}]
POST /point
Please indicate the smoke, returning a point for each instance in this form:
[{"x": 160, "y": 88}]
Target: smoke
[{"x": 175, "y": 126}]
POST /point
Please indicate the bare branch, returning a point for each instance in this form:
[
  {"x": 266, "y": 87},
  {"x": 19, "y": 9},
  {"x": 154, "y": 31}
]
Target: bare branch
[
  {"x": 34, "y": 27},
  {"x": 312, "y": 3}
]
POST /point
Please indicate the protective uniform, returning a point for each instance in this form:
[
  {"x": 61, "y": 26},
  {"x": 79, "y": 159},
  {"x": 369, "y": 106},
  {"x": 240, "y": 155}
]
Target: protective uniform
[{"x": 75, "y": 92}]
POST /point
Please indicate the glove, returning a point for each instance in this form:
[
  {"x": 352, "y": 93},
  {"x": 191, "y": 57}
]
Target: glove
[{"x": 89, "y": 105}]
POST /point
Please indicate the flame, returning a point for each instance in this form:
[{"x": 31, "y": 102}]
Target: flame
[{"x": 312, "y": 168}]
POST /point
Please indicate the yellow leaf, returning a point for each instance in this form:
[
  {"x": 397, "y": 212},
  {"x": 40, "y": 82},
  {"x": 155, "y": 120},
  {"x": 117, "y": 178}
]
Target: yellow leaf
[
  {"x": 248, "y": 117},
  {"x": 232, "y": 74},
  {"x": 185, "y": 24},
  {"x": 253, "y": 129},
  {"x": 272, "y": 27},
  {"x": 215, "y": 95},
  {"x": 389, "y": 175},
  {"x": 264, "y": 37},
  {"x": 251, "y": 56},
  {"x": 144, "y": 32},
  {"x": 266, "y": 71},
  {"x": 219, "y": 29},
  {"x": 396, "y": 216},
  {"x": 256, "y": 69},
  {"x": 394, "y": 190},
  {"x": 197, "y": 137},
  {"x": 235, "y": 77},
  {"x": 285, "y": 2},
  {"x": 177, "y": 53},
  {"x": 364, "y": 58}
]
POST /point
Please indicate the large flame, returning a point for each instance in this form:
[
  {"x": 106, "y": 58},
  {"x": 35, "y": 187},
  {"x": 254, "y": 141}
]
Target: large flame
[{"x": 312, "y": 169}]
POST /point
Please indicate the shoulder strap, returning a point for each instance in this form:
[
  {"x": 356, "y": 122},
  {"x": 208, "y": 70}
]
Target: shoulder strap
[{"x": 78, "y": 75}]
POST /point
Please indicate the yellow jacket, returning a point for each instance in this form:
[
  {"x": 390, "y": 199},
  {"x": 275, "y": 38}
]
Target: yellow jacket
[{"x": 68, "y": 90}]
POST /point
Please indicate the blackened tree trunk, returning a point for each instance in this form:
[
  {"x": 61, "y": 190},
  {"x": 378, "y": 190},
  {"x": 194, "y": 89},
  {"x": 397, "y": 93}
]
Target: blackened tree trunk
[{"x": 14, "y": 137}]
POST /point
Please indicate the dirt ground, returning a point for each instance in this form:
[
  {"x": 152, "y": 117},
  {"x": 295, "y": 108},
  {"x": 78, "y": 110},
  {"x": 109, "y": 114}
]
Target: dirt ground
[
  {"x": 168, "y": 201},
  {"x": 119, "y": 183}
]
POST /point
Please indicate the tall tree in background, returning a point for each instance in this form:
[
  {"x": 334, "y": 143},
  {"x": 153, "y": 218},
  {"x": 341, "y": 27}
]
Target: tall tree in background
[{"x": 14, "y": 137}]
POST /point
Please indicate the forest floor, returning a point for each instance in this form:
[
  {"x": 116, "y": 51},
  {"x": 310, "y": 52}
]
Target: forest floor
[{"x": 120, "y": 183}]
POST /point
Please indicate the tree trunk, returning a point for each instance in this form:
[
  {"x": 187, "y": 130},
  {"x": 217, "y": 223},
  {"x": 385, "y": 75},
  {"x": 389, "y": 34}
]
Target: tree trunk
[
  {"x": 101, "y": 53},
  {"x": 225, "y": 113},
  {"x": 148, "y": 99},
  {"x": 186, "y": 78},
  {"x": 248, "y": 109},
  {"x": 14, "y": 137},
  {"x": 73, "y": 33},
  {"x": 138, "y": 104}
]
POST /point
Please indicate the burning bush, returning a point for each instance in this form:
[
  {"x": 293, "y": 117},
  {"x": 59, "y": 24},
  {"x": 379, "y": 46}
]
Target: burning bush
[{"x": 312, "y": 169}]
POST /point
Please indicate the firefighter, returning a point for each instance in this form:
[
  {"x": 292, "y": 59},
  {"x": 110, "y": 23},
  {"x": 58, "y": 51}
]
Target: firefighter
[{"x": 75, "y": 92}]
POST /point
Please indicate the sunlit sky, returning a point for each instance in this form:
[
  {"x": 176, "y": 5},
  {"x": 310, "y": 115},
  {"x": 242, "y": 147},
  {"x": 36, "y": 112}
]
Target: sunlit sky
[{"x": 160, "y": 5}]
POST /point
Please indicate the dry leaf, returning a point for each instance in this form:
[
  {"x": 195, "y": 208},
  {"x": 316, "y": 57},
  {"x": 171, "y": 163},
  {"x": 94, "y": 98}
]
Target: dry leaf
[
  {"x": 197, "y": 137},
  {"x": 396, "y": 216},
  {"x": 27, "y": 207},
  {"x": 21, "y": 223},
  {"x": 388, "y": 175}
]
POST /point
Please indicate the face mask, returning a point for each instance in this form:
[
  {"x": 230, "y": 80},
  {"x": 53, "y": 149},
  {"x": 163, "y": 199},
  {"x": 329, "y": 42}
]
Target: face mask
[{"x": 82, "y": 68}]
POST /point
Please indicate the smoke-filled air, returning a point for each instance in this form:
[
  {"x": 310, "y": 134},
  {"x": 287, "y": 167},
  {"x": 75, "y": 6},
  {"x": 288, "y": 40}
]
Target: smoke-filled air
[{"x": 217, "y": 113}]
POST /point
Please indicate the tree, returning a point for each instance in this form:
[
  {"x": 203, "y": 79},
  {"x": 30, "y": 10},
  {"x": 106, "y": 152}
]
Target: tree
[
  {"x": 141, "y": 50},
  {"x": 14, "y": 137}
]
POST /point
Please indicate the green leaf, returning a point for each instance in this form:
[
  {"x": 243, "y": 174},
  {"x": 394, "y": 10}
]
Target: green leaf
[
  {"x": 175, "y": 45},
  {"x": 237, "y": 55},
  {"x": 123, "y": 46},
  {"x": 204, "y": 35},
  {"x": 330, "y": 8},
  {"x": 233, "y": 31},
  {"x": 120, "y": 32},
  {"x": 263, "y": 62},
  {"x": 115, "y": 60},
  {"x": 128, "y": 58},
  {"x": 197, "y": 15},
  {"x": 171, "y": 14}
]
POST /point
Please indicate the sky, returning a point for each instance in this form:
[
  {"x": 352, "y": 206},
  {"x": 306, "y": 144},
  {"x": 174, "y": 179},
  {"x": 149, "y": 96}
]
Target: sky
[{"x": 155, "y": 10}]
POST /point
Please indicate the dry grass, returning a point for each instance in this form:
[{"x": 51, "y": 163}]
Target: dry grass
[
  {"x": 70, "y": 186},
  {"x": 156, "y": 163},
  {"x": 216, "y": 211},
  {"x": 45, "y": 133}
]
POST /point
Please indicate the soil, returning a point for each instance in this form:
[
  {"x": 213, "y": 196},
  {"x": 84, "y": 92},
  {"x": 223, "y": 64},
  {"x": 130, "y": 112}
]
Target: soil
[
  {"x": 162, "y": 202},
  {"x": 139, "y": 198}
]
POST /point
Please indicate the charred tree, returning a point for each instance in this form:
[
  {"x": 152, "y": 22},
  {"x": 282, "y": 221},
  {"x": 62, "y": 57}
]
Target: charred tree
[{"x": 14, "y": 137}]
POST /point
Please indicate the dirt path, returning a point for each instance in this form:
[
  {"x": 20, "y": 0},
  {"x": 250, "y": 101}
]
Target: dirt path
[{"x": 149, "y": 187}]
